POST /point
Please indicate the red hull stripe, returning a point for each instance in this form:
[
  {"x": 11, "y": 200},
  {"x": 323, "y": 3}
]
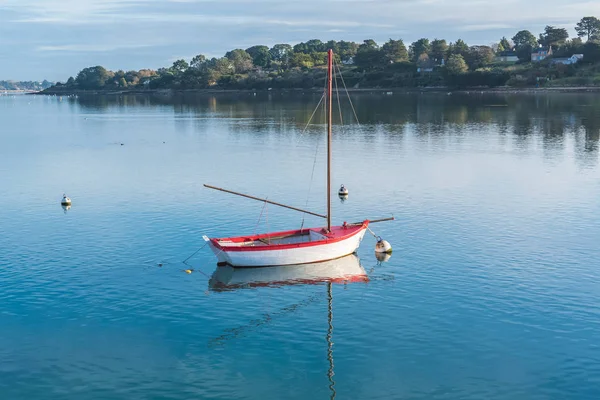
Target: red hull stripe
[{"x": 338, "y": 233}]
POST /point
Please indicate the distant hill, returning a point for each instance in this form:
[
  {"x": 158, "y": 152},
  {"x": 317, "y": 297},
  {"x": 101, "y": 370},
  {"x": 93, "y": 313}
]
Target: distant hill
[{"x": 28, "y": 85}]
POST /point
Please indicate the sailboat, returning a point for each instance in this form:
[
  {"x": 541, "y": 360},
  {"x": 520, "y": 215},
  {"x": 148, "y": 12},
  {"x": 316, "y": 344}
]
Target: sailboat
[{"x": 300, "y": 246}]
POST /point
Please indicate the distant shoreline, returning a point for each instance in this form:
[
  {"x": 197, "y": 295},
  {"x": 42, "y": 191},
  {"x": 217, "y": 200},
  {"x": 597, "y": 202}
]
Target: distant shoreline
[
  {"x": 18, "y": 91},
  {"x": 439, "y": 89}
]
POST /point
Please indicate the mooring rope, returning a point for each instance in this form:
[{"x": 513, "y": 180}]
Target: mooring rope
[
  {"x": 196, "y": 252},
  {"x": 373, "y": 233}
]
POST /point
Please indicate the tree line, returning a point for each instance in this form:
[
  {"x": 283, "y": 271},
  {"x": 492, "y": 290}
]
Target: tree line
[
  {"x": 393, "y": 64},
  {"x": 25, "y": 85}
]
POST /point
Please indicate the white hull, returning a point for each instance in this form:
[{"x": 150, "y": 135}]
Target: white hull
[
  {"x": 317, "y": 252},
  {"x": 345, "y": 269}
]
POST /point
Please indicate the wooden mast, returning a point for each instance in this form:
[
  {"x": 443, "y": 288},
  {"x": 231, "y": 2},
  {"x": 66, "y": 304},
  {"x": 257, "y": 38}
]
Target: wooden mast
[{"x": 329, "y": 120}]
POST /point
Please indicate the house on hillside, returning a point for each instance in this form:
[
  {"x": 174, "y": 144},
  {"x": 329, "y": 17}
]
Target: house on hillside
[
  {"x": 574, "y": 59},
  {"x": 541, "y": 54},
  {"x": 507, "y": 56}
]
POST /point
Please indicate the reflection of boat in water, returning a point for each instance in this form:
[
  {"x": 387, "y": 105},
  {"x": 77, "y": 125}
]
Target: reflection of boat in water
[{"x": 342, "y": 270}]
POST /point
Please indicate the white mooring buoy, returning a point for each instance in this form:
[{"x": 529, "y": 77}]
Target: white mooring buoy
[
  {"x": 383, "y": 246},
  {"x": 343, "y": 191},
  {"x": 65, "y": 201},
  {"x": 383, "y": 257}
]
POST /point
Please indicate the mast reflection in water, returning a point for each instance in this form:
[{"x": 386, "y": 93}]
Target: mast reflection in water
[{"x": 341, "y": 271}]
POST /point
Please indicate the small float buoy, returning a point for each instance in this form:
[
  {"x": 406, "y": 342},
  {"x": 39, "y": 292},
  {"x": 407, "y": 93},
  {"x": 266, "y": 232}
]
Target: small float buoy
[
  {"x": 383, "y": 246},
  {"x": 188, "y": 271},
  {"x": 343, "y": 191},
  {"x": 65, "y": 201},
  {"x": 383, "y": 257}
]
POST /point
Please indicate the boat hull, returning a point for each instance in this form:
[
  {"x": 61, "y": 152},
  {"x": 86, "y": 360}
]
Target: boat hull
[
  {"x": 342, "y": 270},
  {"x": 341, "y": 242}
]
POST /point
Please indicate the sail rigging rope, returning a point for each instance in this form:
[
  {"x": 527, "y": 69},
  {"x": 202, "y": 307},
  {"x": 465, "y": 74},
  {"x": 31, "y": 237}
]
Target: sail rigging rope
[
  {"x": 313, "y": 114},
  {"x": 347, "y": 93},
  {"x": 260, "y": 216},
  {"x": 312, "y": 175},
  {"x": 337, "y": 95}
]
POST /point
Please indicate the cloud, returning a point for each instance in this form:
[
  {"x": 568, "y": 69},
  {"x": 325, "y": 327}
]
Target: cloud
[
  {"x": 72, "y": 33},
  {"x": 340, "y": 14},
  {"x": 483, "y": 27},
  {"x": 90, "y": 48}
]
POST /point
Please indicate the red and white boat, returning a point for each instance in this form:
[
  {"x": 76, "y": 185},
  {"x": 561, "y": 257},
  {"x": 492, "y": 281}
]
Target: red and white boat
[
  {"x": 301, "y": 246},
  {"x": 290, "y": 247}
]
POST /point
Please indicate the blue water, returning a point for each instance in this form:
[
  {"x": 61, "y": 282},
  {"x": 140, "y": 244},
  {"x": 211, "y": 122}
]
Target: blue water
[{"x": 492, "y": 291}]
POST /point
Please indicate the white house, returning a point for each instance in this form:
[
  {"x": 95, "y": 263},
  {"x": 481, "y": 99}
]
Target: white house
[
  {"x": 574, "y": 59},
  {"x": 541, "y": 53},
  {"x": 507, "y": 56}
]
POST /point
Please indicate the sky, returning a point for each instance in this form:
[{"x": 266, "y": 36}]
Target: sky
[{"x": 54, "y": 39}]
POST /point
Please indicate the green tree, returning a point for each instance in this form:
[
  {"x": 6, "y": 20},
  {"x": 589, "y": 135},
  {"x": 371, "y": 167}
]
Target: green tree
[
  {"x": 319, "y": 58},
  {"x": 394, "y": 51},
  {"x": 369, "y": 44},
  {"x": 122, "y": 82},
  {"x": 504, "y": 45},
  {"x": 524, "y": 42},
  {"x": 241, "y": 60},
  {"x": 458, "y": 47},
  {"x": 591, "y": 52},
  {"x": 419, "y": 47},
  {"x": 302, "y": 60},
  {"x": 222, "y": 65},
  {"x": 333, "y": 45},
  {"x": 179, "y": 67},
  {"x": 368, "y": 56},
  {"x": 524, "y": 38},
  {"x": 439, "y": 49},
  {"x": 198, "y": 62},
  {"x": 312, "y": 46},
  {"x": 216, "y": 68},
  {"x": 573, "y": 46},
  {"x": 588, "y": 27},
  {"x": 424, "y": 61},
  {"x": 553, "y": 36},
  {"x": 479, "y": 56},
  {"x": 347, "y": 50},
  {"x": 456, "y": 65},
  {"x": 93, "y": 77},
  {"x": 281, "y": 52},
  {"x": 260, "y": 55},
  {"x": 71, "y": 81}
]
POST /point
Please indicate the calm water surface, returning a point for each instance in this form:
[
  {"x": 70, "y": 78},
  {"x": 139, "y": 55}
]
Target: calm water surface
[{"x": 492, "y": 291}]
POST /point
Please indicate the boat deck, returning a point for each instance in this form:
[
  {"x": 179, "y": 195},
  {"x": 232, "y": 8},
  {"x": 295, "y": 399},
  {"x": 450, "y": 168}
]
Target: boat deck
[{"x": 303, "y": 236}]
